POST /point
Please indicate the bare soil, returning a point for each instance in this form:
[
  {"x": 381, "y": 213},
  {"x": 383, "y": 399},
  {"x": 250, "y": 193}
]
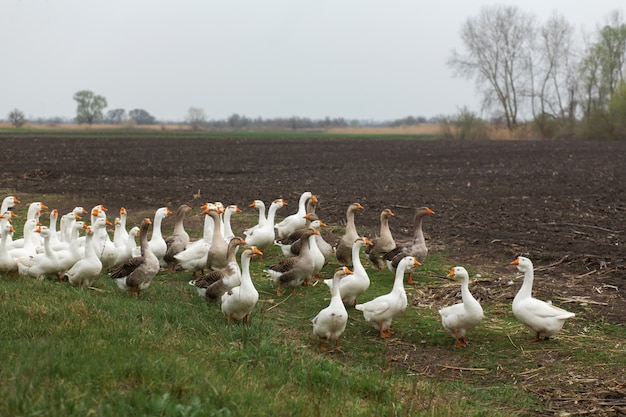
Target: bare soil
[{"x": 561, "y": 203}]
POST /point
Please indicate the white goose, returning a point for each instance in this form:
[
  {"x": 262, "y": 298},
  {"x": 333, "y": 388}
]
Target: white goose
[
  {"x": 228, "y": 212},
  {"x": 130, "y": 247},
  {"x": 85, "y": 271},
  {"x": 459, "y": 318},
  {"x": 103, "y": 245},
  {"x": 380, "y": 311},
  {"x": 263, "y": 236},
  {"x": 194, "y": 257},
  {"x": 5, "y": 211},
  {"x": 66, "y": 224},
  {"x": 260, "y": 206},
  {"x": 7, "y": 262},
  {"x": 120, "y": 234},
  {"x": 355, "y": 284},
  {"x": 156, "y": 242},
  {"x": 42, "y": 264},
  {"x": 542, "y": 318},
  {"x": 34, "y": 212},
  {"x": 330, "y": 322},
  {"x": 295, "y": 221},
  {"x": 73, "y": 250},
  {"x": 8, "y": 203},
  {"x": 238, "y": 302},
  {"x": 30, "y": 241}
]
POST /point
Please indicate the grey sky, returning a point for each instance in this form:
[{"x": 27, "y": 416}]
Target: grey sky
[{"x": 360, "y": 59}]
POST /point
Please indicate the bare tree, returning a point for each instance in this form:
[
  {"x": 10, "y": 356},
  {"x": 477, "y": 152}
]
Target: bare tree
[
  {"x": 196, "y": 118},
  {"x": 16, "y": 117},
  {"x": 499, "y": 43}
]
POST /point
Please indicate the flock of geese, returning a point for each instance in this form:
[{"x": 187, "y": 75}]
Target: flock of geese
[{"x": 61, "y": 250}]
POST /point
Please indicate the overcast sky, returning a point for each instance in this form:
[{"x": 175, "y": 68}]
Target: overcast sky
[{"x": 358, "y": 59}]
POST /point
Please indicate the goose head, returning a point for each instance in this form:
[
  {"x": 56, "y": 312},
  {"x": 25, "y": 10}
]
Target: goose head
[{"x": 523, "y": 264}]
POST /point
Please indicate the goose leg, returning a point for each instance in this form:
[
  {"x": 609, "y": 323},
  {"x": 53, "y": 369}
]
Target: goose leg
[{"x": 410, "y": 280}]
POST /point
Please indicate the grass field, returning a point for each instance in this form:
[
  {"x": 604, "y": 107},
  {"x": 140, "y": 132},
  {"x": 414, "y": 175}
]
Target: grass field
[{"x": 69, "y": 351}]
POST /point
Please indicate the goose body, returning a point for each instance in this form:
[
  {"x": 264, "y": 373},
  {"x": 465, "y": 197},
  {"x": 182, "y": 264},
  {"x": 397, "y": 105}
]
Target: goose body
[
  {"x": 129, "y": 249},
  {"x": 215, "y": 284},
  {"x": 355, "y": 284},
  {"x": 103, "y": 245},
  {"x": 459, "y": 318},
  {"x": 542, "y": 318},
  {"x": 260, "y": 206},
  {"x": 30, "y": 241},
  {"x": 380, "y": 311},
  {"x": 7, "y": 262},
  {"x": 42, "y": 264},
  {"x": 293, "y": 272},
  {"x": 238, "y": 302},
  {"x": 343, "y": 250},
  {"x": 194, "y": 257},
  {"x": 416, "y": 247},
  {"x": 383, "y": 243},
  {"x": 330, "y": 323},
  {"x": 295, "y": 221},
  {"x": 263, "y": 236},
  {"x": 85, "y": 271},
  {"x": 217, "y": 256},
  {"x": 179, "y": 239},
  {"x": 136, "y": 274}
]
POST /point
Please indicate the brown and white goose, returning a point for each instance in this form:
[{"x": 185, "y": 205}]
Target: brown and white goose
[
  {"x": 217, "y": 282},
  {"x": 290, "y": 245},
  {"x": 136, "y": 274},
  {"x": 415, "y": 247},
  {"x": 179, "y": 239},
  {"x": 343, "y": 250},
  {"x": 293, "y": 272},
  {"x": 383, "y": 243},
  {"x": 217, "y": 256}
]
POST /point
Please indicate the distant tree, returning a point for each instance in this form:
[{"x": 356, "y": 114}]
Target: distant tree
[
  {"x": 115, "y": 116},
  {"x": 17, "y": 119},
  {"x": 141, "y": 117},
  {"x": 89, "y": 106},
  {"x": 196, "y": 118},
  {"x": 499, "y": 45},
  {"x": 603, "y": 65}
]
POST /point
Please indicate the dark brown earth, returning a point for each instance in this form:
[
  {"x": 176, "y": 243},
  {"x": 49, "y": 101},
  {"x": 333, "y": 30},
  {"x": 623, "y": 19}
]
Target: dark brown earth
[{"x": 561, "y": 203}]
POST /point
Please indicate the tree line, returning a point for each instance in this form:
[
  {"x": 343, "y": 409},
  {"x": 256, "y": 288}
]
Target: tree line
[{"x": 542, "y": 72}]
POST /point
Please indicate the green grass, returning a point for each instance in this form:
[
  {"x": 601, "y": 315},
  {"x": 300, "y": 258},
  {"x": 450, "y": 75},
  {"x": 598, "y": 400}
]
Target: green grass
[{"x": 70, "y": 351}]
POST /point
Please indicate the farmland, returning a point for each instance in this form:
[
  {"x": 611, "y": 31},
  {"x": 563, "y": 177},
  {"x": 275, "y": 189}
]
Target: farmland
[{"x": 560, "y": 203}]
